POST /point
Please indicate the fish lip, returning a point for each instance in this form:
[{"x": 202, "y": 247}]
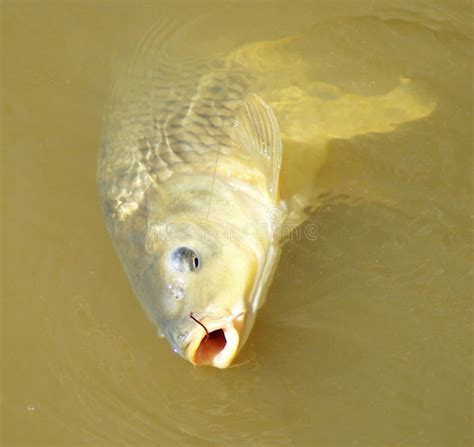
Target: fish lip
[{"x": 226, "y": 355}]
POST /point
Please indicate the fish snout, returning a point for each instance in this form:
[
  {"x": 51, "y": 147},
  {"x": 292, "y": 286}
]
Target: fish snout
[{"x": 214, "y": 342}]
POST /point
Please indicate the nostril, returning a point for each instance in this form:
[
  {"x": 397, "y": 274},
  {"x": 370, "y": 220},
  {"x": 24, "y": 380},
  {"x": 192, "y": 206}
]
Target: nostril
[{"x": 210, "y": 347}]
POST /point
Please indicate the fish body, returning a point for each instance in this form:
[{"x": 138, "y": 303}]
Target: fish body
[{"x": 196, "y": 188}]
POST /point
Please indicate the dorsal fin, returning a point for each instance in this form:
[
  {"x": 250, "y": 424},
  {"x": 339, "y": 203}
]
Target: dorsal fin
[{"x": 257, "y": 131}]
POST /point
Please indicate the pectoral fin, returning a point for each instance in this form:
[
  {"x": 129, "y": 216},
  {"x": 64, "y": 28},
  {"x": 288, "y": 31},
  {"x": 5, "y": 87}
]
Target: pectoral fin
[{"x": 257, "y": 131}]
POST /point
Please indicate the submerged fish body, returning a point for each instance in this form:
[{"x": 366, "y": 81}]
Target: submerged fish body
[{"x": 190, "y": 182}]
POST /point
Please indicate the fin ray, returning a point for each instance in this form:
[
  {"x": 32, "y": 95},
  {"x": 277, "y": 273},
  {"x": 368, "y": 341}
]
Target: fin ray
[{"x": 258, "y": 132}]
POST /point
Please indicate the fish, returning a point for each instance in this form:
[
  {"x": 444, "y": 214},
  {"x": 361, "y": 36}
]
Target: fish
[{"x": 196, "y": 188}]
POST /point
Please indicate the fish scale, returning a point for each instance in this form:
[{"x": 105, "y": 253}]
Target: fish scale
[{"x": 147, "y": 139}]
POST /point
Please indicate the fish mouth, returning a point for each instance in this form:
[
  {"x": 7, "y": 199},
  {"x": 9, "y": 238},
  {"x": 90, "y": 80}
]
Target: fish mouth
[{"x": 217, "y": 346}]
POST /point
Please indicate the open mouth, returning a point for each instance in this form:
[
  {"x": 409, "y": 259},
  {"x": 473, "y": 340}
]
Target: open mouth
[
  {"x": 217, "y": 346},
  {"x": 210, "y": 347}
]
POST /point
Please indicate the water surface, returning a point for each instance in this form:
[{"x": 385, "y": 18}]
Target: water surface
[{"x": 366, "y": 335}]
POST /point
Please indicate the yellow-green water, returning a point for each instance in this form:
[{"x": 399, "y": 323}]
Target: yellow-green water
[{"x": 366, "y": 335}]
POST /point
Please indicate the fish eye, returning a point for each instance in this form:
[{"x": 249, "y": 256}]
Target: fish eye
[{"x": 184, "y": 259}]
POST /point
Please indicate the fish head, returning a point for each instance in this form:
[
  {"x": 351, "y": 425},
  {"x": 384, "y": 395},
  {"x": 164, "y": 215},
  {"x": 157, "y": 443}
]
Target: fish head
[{"x": 200, "y": 288}]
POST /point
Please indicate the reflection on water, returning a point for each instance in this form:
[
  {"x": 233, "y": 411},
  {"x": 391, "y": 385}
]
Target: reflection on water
[{"x": 365, "y": 336}]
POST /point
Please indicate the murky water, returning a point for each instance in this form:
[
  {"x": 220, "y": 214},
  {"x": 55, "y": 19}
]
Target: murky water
[{"x": 365, "y": 338}]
